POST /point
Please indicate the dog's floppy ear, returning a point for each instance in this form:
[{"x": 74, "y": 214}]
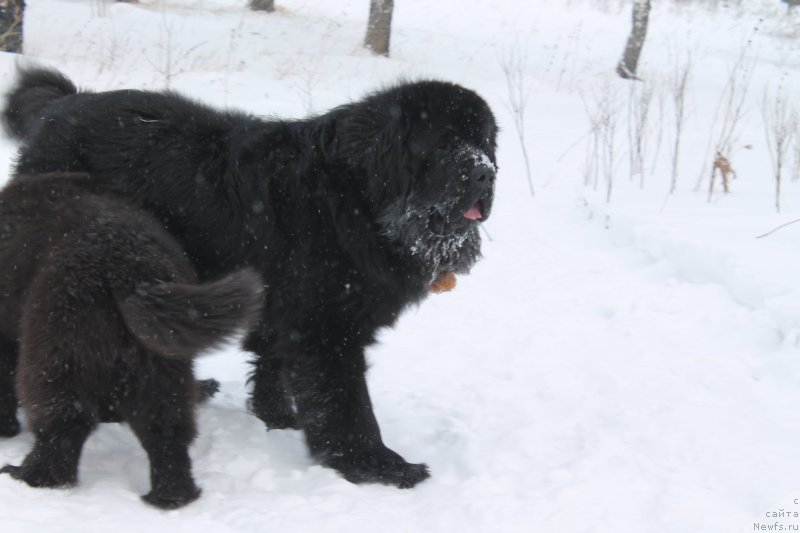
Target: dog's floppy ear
[{"x": 373, "y": 136}]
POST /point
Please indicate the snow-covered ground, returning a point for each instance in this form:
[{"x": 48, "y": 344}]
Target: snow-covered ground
[{"x": 630, "y": 365}]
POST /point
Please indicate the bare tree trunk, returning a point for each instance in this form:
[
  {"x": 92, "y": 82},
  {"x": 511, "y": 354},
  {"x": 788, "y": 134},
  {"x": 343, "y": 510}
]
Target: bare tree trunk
[
  {"x": 379, "y": 27},
  {"x": 780, "y": 127},
  {"x": 11, "y": 15},
  {"x": 633, "y": 49},
  {"x": 679, "y": 82},
  {"x": 262, "y": 5}
]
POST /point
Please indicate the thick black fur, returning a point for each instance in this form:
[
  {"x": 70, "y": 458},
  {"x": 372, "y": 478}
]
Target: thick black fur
[
  {"x": 348, "y": 216},
  {"x": 106, "y": 313}
]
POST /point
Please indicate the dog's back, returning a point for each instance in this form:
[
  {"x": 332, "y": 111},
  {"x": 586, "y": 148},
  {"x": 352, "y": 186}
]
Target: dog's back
[
  {"x": 100, "y": 244},
  {"x": 129, "y": 140}
]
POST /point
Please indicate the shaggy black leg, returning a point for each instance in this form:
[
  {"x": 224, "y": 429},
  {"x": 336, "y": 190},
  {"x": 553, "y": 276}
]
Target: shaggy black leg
[
  {"x": 335, "y": 412},
  {"x": 9, "y": 425},
  {"x": 165, "y": 431},
  {"x": 270, "y": 401},
  {"x": 53, "y": 462}
]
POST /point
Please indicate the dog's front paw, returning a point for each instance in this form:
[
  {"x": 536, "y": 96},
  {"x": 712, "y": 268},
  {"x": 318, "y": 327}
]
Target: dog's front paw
[
  {"x": 379, "y": 465},
  {"x": 172, "y": 500}
]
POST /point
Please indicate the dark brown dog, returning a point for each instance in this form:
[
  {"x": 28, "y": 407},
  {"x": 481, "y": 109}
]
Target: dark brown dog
[{"x": 109, "y": 318}]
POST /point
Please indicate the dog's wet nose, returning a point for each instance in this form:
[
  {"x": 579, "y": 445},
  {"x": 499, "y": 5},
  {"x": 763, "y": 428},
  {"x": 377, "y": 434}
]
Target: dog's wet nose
[{"x": 481, "y": 175}]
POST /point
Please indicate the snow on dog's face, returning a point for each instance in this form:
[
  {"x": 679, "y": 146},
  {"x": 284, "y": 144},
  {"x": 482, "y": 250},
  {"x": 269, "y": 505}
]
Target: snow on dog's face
[{"x": 429, "y": 152}]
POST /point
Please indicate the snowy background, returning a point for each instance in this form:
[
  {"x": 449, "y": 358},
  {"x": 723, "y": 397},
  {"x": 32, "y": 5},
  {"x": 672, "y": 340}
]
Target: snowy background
[{"x": 615, "y": 364}]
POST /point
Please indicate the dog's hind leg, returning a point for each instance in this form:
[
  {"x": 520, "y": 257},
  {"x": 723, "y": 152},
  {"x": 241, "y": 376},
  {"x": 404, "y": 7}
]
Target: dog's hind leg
[
  {"x": 9, "y": 425},
  {"x": 61, "y": 425},
  {"x": 271, "y": 400},
  {"x": 164, "y": 424}
]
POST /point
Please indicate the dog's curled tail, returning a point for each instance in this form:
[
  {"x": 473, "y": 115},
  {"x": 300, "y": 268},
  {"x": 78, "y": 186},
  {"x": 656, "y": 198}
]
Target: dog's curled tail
[
  {"x": 35, "y": 88},
  {"x": 181, "y": 320}
]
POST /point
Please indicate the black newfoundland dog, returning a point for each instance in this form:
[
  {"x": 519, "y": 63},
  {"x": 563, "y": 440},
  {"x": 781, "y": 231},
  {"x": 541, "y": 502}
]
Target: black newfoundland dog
[
  {"x": 105, "y": 310},
  {"x": 348, "y": 216}
]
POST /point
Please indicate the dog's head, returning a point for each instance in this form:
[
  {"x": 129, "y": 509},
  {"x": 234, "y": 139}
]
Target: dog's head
[{"x": 428, "y": 149}]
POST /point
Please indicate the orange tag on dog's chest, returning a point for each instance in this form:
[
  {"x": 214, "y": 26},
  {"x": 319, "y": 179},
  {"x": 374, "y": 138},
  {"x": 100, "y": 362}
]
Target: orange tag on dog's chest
[{"x": 445, "y": 282}]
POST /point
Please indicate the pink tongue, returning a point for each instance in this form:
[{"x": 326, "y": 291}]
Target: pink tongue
[{"x": 474, "y": 212}]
